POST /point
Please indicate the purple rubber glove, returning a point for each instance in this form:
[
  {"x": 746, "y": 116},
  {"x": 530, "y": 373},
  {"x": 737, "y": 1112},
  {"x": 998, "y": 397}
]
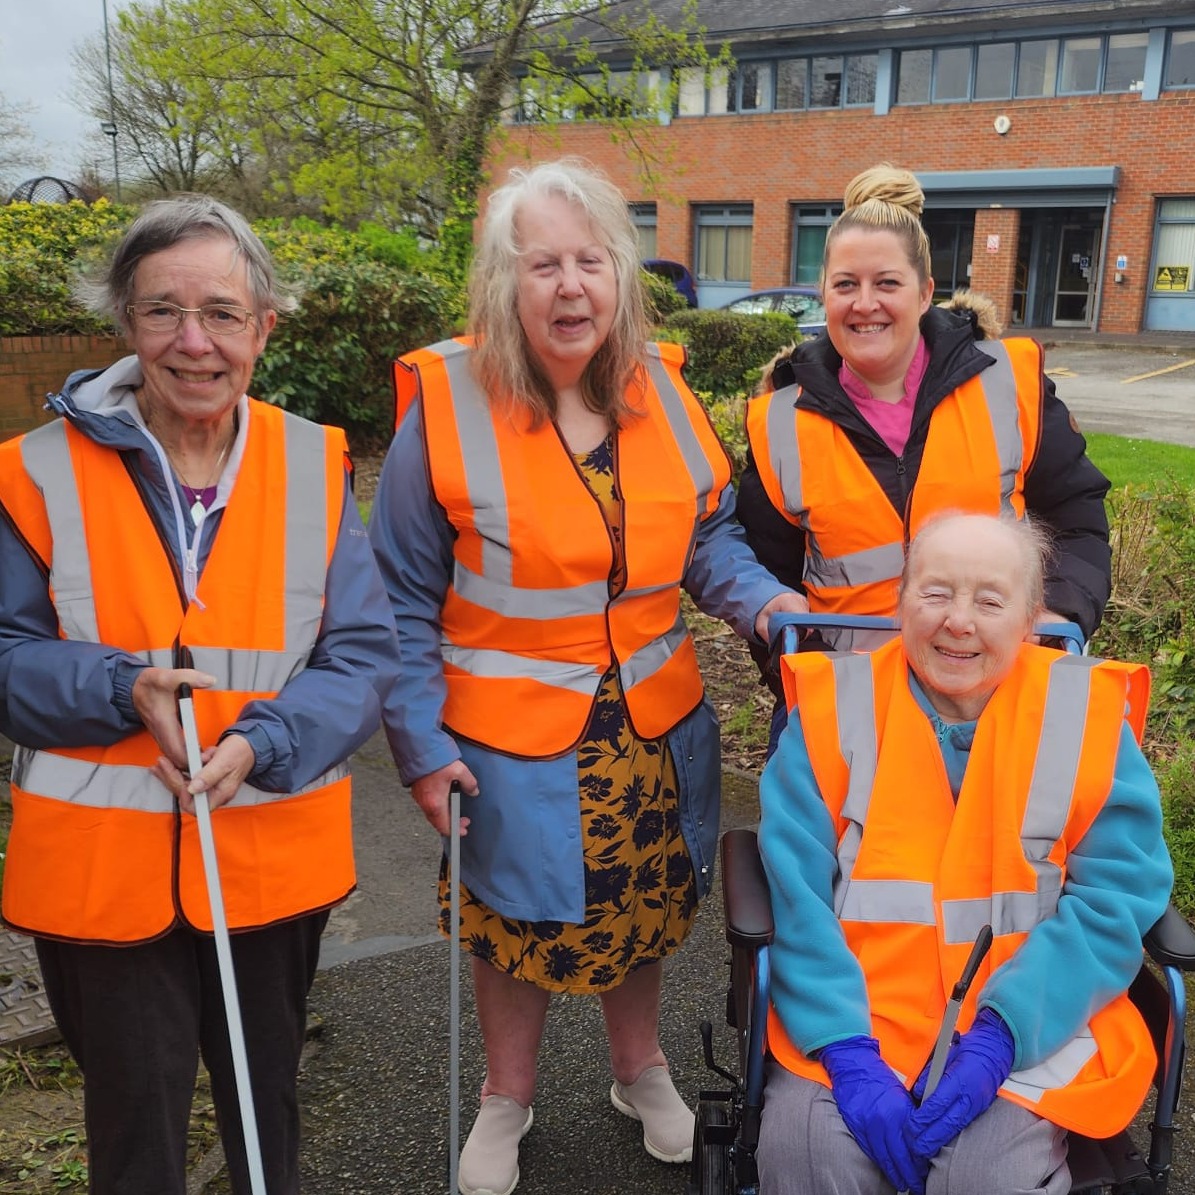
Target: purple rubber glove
[
  {"x": 875, "y": 1107},
  {"x": 975, "y": 1067}
]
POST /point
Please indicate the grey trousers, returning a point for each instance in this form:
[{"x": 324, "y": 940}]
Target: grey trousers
[{"x": 805, "y": 1148}]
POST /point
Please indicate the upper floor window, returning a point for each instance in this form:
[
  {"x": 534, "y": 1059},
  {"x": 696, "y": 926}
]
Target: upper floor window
[
  {"x": 994, "y": 65},
  {"x": 1038, "y": 68},
  {"x": 1080, "y": 65},
  {"x": 1180, "y": 62},
  {"x": 952, "y": 73},
  {"x": 787, "y": 85},
  {"x": 1125, "y": 67}
]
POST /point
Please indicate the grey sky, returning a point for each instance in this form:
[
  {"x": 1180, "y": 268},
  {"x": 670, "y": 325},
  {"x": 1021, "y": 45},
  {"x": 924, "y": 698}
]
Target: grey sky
[{"x": 37, "y": 38}]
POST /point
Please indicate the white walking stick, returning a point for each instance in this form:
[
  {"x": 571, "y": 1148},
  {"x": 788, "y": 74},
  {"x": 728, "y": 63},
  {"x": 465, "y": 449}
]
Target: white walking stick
[
  {"x": 454, "y": 984},
  {"x": 228, "y": 983}
]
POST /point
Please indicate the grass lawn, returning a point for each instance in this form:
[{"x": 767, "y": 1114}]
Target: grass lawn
[{"x": 1140, "y": 462}]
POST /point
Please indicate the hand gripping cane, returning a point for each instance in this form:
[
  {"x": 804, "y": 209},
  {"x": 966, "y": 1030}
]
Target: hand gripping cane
[{"x": 228, "y": 983}]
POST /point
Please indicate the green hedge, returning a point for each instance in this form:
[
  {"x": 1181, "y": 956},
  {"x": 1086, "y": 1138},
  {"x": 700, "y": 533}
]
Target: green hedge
[
  {"x": 332, "y": 359},
  {"x": 727, "y": 350},
  {"x": 41, "y": 245},
  {"x": 365, "y": 297}
]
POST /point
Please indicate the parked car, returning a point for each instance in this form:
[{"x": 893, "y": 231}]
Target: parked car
[
  {"x": 803, "y": 303},
  {"x": 676, "y": 273}
]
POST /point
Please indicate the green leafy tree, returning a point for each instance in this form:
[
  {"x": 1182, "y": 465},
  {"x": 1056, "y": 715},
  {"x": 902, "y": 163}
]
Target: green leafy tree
[{"x": 358, "y": 109}]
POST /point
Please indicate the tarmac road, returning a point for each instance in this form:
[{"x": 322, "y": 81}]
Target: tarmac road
[{"x": 1145, "y": 393}]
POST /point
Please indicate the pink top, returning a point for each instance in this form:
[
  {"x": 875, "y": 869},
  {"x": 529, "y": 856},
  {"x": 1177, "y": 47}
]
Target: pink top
[{"x": 891, "y": 420}]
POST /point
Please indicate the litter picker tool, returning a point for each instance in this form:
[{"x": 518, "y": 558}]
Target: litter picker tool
[
  {"x": 937, "y": 1060},
  {"x": 454, "y": 985},
  {"x": 937, "y": 1064},
  {"x": 228, "y": 983}
]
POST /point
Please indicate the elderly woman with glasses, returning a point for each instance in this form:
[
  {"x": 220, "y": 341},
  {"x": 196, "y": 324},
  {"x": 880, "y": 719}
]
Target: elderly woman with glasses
[{"x": 169, "y": 530}]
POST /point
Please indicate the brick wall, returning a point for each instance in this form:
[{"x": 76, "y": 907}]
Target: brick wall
[
  {"x": 776, "y": 160},
  {"x": 33, "y": 366},
  {"x": 994, "y": 257}
]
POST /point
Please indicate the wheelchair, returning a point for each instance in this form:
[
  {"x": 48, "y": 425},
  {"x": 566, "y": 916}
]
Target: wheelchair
[{"x": 726, "y": 1131}]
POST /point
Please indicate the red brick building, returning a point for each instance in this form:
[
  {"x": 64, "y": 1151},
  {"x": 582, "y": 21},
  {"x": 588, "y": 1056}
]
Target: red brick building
[{"x": 1055, "y": 140}]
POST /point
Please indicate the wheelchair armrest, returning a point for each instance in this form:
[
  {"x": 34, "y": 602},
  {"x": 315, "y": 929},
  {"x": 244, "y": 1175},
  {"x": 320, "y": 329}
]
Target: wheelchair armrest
[
  {"x": 745, "y": 897},
  {"x": 1171, "y": 942}
]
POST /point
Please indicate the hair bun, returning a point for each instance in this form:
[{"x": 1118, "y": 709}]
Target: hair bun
[{"x": 886, "y": 183}]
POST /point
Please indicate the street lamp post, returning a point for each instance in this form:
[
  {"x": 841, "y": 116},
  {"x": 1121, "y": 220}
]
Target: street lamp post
[{"x": 108, "y": 127}]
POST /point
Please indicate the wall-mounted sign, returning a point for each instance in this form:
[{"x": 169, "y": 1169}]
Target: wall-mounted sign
[
  {"x": 1122, "y": 262},
  {"x": 993, "y": 242},
  {"x": 1172, "y": 277}
]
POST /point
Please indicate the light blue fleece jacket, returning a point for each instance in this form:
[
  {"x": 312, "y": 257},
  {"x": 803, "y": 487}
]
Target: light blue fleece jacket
[{"x": 1117, "y": 886}]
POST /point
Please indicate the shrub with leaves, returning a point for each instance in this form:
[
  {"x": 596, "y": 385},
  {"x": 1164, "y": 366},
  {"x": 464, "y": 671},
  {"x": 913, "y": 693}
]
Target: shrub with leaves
[
  {"x": 1176, "y": 778},
  {"x": 662, "y": 297},
  {"x": 1151, "y": 615},
  {"x": 727, "y": 350},
  {"x": 331, "y": 360},
  {"x": 41, "y": 246}
]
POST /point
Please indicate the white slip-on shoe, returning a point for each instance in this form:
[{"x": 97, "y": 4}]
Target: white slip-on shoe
[
  {"x": 489, "y": 1162},
  {"x": 667, "y": 1120}
]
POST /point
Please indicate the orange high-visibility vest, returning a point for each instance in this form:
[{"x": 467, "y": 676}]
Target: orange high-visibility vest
[
  {"x": 918, "y": 876},
  {"x": 982, "y": 440},
  {"x": 529, "y": 624},
  {"x": 98, "y": 852}
]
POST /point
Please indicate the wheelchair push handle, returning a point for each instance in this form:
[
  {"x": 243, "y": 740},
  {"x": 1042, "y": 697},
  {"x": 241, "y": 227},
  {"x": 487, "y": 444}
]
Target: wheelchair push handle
[{"x": 784, "y": 629}]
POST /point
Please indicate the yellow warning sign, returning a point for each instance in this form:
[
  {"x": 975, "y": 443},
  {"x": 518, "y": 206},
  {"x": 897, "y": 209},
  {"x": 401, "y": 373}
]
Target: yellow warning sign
[{"x": 1171, "y": 277}]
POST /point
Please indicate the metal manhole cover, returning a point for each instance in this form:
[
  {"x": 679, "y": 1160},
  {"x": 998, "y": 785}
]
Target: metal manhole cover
[{"x": 25, "y": 1017}]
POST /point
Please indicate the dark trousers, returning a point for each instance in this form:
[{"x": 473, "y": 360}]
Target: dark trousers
[{"x": 137, "y": 1018}]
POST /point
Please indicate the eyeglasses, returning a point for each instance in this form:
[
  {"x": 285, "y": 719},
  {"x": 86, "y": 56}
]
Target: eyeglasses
[{"x": 220, "y": 319}]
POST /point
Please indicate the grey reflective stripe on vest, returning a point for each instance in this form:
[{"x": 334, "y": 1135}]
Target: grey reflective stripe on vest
[
  {"x": 1054, "y": 1072},
  {"x": 784, "y": 450},
  {"x": 1055, "y": 771},
  {"x": 483, "y": 472},
  {"x": 1047, "y": 808},
  {"x": 306, "y": 535},
  {"x": 501, "y": 597},
  {"x": 1000, "y": 390},
  {"x": 509, "y": 665},
  {"x": 122, "y": 786},
  {"x": 683, "y": 431},
  {"x": 47, "y": 459},
  {"x": 854, "y": 698},
  {"x": 651, "y": 657}
]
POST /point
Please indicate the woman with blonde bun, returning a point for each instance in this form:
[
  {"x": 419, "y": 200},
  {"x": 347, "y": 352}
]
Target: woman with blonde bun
[{"x": 903, "y": 409}]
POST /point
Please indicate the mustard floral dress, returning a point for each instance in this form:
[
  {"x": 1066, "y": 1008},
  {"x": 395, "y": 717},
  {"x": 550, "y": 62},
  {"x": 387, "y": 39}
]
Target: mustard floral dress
[{"x": 640, "y": 891}]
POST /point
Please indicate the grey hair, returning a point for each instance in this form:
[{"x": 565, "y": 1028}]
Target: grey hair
[
  {"x": 1032, "y": 538},
  {"x": 503, "y": 360},
  {"x": 885, "y": 198},
  {"x": 165, "y": 223}
]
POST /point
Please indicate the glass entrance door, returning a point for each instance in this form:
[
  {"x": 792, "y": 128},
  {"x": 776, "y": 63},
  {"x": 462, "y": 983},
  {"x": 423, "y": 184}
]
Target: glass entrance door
[{"x": 1077, "y": 271}]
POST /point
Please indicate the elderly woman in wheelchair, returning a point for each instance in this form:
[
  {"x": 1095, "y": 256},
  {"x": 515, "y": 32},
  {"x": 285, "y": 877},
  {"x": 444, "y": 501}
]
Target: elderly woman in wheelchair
[{"x": 959, "y": 778}]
